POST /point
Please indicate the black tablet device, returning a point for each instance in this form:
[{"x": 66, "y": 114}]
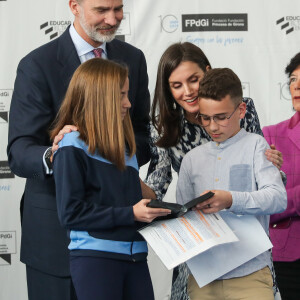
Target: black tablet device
[{"x": 178, "y": 210}]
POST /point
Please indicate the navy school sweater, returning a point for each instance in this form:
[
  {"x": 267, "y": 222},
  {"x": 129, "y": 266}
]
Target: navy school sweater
[{"x": 95, "y": 200}]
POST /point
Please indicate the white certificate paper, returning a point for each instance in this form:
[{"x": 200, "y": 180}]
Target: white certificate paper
[
  {"x": 222, "y": 259},
  {"x": 178, "y": 240}
]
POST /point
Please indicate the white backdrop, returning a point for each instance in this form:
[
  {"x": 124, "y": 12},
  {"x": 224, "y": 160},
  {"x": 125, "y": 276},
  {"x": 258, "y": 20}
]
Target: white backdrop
[{"x": 257, "y": 40}]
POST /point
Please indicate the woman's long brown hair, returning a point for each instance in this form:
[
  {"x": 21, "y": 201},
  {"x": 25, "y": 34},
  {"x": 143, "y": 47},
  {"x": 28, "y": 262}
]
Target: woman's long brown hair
[
  {"x": 93, "y": 104},
  {"x": 165, "y": 112}
]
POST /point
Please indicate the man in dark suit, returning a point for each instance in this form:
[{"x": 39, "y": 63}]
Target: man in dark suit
[{"x": 42, "y": 79}]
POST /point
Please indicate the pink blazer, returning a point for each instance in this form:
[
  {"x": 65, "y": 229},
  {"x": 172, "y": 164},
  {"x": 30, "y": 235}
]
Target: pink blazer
[{"x": 285, "y": 227}]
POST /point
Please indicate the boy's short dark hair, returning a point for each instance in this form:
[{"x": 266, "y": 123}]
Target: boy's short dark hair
[{"x": 218, "y": 83}]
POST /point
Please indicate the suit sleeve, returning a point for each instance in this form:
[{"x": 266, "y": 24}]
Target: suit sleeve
[
  {"x": 267, "y": 134},
  {"x": 31, "y": 114},
  {"x": 140, "y": 114},
  {"x": 70, "y": 171},
  {"x": 293, "y": 192},
  {"x": 293, "y": 205}
]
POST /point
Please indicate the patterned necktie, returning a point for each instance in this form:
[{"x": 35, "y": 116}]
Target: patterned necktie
[{"x": 97, "y": 52}]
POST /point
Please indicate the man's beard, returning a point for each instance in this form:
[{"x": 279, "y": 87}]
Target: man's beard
[{"x": 94, "y": 34}]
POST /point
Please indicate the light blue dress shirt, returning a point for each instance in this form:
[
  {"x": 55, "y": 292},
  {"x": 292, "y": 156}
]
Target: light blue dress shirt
[
  {"x": 238, "y": 165},
  {"x": 83, "y": 48}
]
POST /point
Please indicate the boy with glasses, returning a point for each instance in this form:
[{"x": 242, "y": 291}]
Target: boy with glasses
[{"x": 235, "y": 168}]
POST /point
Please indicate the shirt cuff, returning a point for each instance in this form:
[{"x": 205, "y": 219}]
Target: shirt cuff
[
  {"x": 47, "y": 170},
  {"x": 237, "y": 202}
]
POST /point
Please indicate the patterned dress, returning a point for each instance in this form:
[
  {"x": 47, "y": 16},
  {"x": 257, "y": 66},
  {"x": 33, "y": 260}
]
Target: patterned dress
[{"x": 159, "y": 174}]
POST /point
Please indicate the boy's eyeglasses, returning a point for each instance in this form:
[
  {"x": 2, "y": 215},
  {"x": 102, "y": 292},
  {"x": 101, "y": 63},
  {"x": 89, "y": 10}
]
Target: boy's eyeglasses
[{"x": 221, "y": 119}]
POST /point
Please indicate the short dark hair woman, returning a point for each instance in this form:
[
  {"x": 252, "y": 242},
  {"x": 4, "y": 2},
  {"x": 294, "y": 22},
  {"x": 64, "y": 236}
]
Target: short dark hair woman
[{"x": 285, "y": 227}]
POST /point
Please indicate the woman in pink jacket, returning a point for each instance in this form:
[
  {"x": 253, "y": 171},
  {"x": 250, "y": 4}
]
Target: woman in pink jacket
[{"x": 285, "y": 227}]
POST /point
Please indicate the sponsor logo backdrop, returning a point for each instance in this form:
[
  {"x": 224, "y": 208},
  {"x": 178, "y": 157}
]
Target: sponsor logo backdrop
[{"x": 255, "y": 38}]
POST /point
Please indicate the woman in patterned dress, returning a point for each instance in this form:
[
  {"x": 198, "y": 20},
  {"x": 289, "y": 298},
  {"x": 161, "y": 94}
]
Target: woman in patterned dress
[{"x": 175, "y": 130}]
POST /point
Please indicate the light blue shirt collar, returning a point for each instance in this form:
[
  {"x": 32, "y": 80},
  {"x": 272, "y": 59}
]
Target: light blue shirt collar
[
  {"x": 241, "y": 133},
  {"x": 83, "y": 48}
]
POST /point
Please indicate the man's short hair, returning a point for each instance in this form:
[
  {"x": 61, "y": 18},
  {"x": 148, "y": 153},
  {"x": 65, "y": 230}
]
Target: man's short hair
[{"x": 220, "y": 82}]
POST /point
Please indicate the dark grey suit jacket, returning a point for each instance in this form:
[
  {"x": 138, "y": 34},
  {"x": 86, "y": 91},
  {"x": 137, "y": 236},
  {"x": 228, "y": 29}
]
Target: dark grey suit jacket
[{"x": 42, "y": 79}]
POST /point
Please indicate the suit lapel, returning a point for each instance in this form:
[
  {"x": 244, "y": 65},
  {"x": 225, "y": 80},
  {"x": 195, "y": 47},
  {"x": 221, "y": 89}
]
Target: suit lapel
[
  {"x": 67, "y": 56},
  {"x": 113, "y": 52}
]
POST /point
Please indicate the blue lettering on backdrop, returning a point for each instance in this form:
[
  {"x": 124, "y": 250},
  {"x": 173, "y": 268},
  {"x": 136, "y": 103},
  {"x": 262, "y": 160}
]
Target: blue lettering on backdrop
[
  {"x": 5, "y": 188},
  {"x": 231, "y": 41},
  {"x": 225, "y": 41}
]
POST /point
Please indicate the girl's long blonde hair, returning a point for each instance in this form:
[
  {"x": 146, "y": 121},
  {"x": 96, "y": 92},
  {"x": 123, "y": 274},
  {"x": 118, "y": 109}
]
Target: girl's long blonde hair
[{"x": 93, "y": 104}]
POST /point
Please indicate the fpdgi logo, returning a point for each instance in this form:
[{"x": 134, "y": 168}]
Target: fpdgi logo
[
  {"x": 8, "y": 246},
  {"x": 289, "y": 23},
  {"x": 5, "y": 99},
  {"x": 5, "y": 171},
  {"x": 54, "y": 28},
  {"x": 214, "y": 22}
]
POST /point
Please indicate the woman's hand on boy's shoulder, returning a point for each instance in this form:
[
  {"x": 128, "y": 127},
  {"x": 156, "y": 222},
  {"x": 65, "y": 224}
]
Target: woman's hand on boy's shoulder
[
  {"x": 220, "y": 200},
  {"x": 274, "y": 156}
]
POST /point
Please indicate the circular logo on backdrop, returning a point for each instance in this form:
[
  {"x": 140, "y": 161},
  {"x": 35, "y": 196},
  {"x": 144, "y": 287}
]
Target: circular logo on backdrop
[
  {"x": 169, "y": 23},
  {"x": 284, "y": 91}
]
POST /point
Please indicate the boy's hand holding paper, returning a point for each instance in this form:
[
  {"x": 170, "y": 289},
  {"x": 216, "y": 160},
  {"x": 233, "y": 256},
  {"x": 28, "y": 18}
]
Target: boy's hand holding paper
[{"x": 219, "y": 201}]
